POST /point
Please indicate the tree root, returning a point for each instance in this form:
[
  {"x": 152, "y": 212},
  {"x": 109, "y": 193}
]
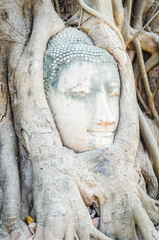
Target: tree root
[
  {"x": 9, "y": 180},
  {"x": 137, "y": 34},
  {"x": 61, "y": 213},
  {"x": 127, "y": 19},
  {"x": 151, "y": 206},
  {"x": 118, "y": 12},
  {"x": 57, "y": 7},
  {"x": 144, "y": 223},
  {"x": 141, "y": 8},
  {"x": 117, "y": 191},
  {"x": 149, "y": 42},
  {"x": 150, "y": 63},
  {"x": 26, "y": 186},
  {"x": 103, "y": 18},
  {"x": 144, "y": 167},
  {"x": 150, "y": 142},
  {"x": 108, "y": 177},
  {"x": 147, "y": 110},
  {"x": 145, "y": 80},
  {"x": 21, "y": 233}
]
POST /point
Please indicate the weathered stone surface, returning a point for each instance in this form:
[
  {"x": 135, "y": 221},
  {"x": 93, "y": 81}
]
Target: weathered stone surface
[
  {"x": 84, "y": 92},
  {"x": 68, "y": 46}
]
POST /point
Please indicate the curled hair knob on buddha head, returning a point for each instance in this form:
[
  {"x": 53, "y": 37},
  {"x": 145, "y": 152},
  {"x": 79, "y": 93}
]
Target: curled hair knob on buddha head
[{"x": 71, "y": 45}]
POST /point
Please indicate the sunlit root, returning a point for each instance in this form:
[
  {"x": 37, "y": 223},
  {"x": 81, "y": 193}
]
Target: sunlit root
[
  {"x": 61, "y": 213},
  {"x": 143, "y": 222},
  {"x": 150, "y": 142},
  {"x": 127, "y": 19},
  {"x": 145, "y": 79},
  {"x": 151, "y": 206},
  {"x": 144, "y": 167},
  {"x": 103, "y": 18},
  {"x": 136, "y": 212},
  {"x": 149, "y": 42},
  {"x": 150, "y": 63},
  {"x": 118, "y": 195},
  {"x": 118, "y": 12},
  {"x": 139, "y": 31},
  {"x": 9, "y": 179}
]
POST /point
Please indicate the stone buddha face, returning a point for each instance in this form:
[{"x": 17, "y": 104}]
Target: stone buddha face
[{"x": 84, "y": 100}]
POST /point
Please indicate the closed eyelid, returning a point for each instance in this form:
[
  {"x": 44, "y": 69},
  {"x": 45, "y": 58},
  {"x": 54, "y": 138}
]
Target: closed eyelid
[
  {"x": 81, "y": 89},
  {"x": 113, "y": 89}
]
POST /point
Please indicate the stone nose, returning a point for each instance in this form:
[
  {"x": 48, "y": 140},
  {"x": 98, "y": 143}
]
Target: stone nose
[{"x": 103, "y": 113}]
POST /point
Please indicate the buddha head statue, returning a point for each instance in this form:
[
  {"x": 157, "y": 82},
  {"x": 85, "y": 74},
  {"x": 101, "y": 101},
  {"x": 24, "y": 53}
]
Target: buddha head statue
[{"x": 83, "y": 87}]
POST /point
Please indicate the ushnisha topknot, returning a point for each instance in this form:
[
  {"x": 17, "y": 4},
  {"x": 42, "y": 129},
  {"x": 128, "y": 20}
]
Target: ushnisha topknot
[{"x": 68, "y": 46}]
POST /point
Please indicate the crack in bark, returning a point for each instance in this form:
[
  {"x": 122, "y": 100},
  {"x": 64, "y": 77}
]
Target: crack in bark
[
  {"x": 3, "y": 101},
  {"x": 152, "y": 10}
]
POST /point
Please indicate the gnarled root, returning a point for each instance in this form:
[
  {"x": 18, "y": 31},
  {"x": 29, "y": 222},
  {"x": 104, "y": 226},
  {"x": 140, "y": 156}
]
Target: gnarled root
[
  {"x": 11, "y": 224},
  {"x": 60, "y": 210},
  {"x": 146, "y": 173},
  {"x": 112, "y": 189}
]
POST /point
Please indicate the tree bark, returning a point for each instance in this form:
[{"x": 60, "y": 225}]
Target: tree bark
[{"x": 41, "y": 178}]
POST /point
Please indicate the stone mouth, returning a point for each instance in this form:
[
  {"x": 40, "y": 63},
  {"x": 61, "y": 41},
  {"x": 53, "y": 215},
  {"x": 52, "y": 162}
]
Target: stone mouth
[{"x": 105, "y": 131}]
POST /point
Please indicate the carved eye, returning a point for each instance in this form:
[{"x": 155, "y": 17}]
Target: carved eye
[
  {"x": 81, "y": 90},
  {"x": 114, "y": 89}
]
